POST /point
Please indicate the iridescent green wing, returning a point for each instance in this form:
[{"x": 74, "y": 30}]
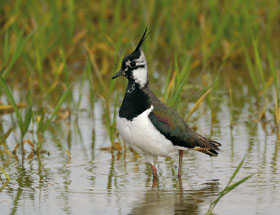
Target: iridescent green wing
[{"x": 171, "y": 124}]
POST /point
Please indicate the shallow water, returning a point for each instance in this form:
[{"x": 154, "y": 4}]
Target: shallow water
[{"x": 97, "y": 181}]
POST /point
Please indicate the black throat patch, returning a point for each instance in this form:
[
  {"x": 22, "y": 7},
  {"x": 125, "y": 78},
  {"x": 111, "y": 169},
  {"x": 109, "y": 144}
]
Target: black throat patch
[{"x": 135, "y": 102}]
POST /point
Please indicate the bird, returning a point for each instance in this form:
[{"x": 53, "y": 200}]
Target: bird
[{"x": 149, "y": 126}]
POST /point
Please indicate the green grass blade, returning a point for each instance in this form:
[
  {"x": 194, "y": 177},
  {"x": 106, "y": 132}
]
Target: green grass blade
[
  {"x": 272, "y": 67},
  {"x": 236, "y": 171},
  {"x": 42, "y": 119},
  {"x": 178, "y": 91},
  {"x": 113, "y": 126},
  {"x": 91, "y": 84},
  {"x": 6, "y": 135},
  {"x": 167, "y": 81},
  {"x": 229, "y": 187},
  {"x": 197, "y": 104},
  {"x": 27, "y": 120},
  {"x": 258, "y": 62},
  {"x": 11, "y": 99},
  {"x": 4, "y": 172},
  {"x": 20, "y": 44},
  {"x": 57, "y": 107},
  {"x": 6, "y": 48},
  {"x": 250, "y": 66}
]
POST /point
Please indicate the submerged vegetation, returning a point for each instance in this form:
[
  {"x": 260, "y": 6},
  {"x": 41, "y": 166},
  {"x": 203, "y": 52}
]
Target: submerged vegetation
[{"x": 55, "y": 54}]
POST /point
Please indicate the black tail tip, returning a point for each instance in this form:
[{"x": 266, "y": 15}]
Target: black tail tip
[{"x": 213, "y": 153}]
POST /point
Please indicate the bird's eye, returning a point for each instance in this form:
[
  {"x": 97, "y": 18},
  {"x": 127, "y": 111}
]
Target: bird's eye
[{"x": 132, "y": 64}]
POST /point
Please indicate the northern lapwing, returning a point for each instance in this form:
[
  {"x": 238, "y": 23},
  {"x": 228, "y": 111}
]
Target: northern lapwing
[{"x": 149, "y": 126}]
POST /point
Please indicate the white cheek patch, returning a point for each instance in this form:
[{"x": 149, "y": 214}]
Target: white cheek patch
[{"x": 140, "y": 76}]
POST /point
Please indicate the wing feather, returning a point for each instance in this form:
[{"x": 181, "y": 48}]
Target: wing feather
[{"x": 175, "y": 129}]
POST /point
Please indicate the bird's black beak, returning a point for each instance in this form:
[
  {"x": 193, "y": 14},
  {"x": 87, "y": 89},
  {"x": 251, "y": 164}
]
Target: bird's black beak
[{"x": 119, "y": 73}]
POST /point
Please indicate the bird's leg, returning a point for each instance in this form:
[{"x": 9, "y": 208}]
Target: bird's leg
[
  {"x": 154, "y": 176},
  {"x": 181, "y": 153},
  {"x": 154, "y": 171},
  {"x": 155, "y": 182}
]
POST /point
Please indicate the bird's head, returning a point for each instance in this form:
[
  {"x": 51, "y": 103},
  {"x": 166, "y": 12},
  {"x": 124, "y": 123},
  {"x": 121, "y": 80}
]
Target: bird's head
[{"x": 134, "y": 66}]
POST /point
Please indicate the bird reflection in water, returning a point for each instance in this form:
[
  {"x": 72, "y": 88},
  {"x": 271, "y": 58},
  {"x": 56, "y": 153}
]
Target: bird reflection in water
[{"x": 158, "y": 201}]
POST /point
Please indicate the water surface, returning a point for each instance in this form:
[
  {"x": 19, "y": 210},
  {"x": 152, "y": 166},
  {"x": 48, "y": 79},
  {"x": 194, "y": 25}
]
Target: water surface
[{"x": 98, "y": 181}]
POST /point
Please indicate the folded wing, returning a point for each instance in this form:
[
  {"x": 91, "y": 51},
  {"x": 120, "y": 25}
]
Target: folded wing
[{"x": 173, "y": 127}]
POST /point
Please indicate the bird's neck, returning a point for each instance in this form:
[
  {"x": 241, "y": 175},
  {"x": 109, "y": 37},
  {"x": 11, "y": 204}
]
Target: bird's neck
[{"x": 135, "y": 101}]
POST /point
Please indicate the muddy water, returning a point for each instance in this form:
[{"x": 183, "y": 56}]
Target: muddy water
[{"x": 97, "y": 181}]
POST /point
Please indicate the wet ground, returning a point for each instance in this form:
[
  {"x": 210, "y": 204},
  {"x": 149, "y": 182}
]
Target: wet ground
[{"x": 98, "y": 181}]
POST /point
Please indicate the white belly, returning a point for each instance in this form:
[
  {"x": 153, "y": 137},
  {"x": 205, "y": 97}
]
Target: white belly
[{"x": 142, "y": 136}]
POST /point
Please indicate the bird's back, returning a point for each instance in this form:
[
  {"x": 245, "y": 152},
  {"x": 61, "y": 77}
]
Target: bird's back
[{"x": 174, "y": 128}]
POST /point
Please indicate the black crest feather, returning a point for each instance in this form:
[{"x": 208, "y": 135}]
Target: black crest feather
[{"x": 142, "y": 39}]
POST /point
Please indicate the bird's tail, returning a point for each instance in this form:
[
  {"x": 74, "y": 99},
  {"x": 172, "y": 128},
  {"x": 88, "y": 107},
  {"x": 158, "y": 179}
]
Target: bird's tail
[{"x": 207, "y": 146}]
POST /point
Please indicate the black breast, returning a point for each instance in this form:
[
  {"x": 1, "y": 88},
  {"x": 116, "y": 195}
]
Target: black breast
[{"x": 135, "y": 102}]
